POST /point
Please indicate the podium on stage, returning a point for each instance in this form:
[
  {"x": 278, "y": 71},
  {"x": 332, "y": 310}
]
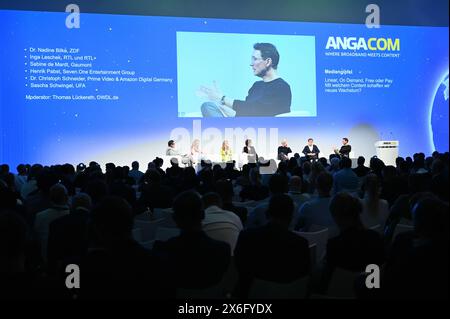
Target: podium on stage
[{"x": 387, "y": 151}]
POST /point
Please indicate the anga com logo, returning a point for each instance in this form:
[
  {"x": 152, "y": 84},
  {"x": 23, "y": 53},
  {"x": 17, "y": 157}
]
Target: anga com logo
[{"x": 371, "y": 44}]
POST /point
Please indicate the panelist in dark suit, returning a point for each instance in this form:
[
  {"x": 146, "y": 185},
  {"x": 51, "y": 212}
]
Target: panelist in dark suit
[
  {"x": 311, "y": 150},
  {"x": 345, "y": 148}
]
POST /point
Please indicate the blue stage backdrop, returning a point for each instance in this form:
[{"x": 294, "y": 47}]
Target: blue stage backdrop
[{"x": 117, "y": 88}]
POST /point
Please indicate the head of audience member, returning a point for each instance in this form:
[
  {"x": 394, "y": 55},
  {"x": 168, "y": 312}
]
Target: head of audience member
[
  {"x": 255, "y": 176},
  {"x": 35, "y": 171},
  {"x": 435, "y": 154},
  {"x": 96, "y": 189},
  {"x": 171, "y": 144},
  {"x": 151, "y": 166},
  {"x": 135, "y": 166},
  {"x": 344, "y": 141},
  {"x": 212, "y": 199},
  {"x": 409, "y": 162},
  {"x": 292, "y": 166},
  {"x": 218, "y": 172},
  {"x": 345, "y": 163},
  {"x": 21, "y": 170},
  {"x": 278, "y": 184},
  {"x": 334, "y": 163},
  {"x": 174, "y": 162},
  {"x": 306, "y": 167},
  {"x": 324, "y": 184},
  {"x": 81, "y": 201},
  {"x": 206, "y": 177},
  {"x": 310, "y": 141},
  {"x": 112, "y": 222},
  {"x": 4, "y": 169},
  {"x": 206, "y": 164},
  {"x": 152, "y": 177},
  {"x": 109, "y": 168},
  {"x": 295, "y": 184},
  {"x": 323, "y": 161},
  {"x": 317, "y": 168},
  {"x": 388, "y": 172},
  {"x": 126, "y": 171},
  {"x": 372, "y": 185},
  {"x": 361, "y": 161},
  {"x": 282, "y": 167},
  {"x": 158, "y": 162},
  {"x": 398, "y": 161},
  {"x": 437, "y": 167},
  {"x": 68, "y": 169},
  {"x": 418, "y": 183},
  {"x": 430, "y": 218},
  {"x": 118, "y": 173},
  {"x": 80, "y": 168},
  {"x": 346, "y": 211},
  {"x": 419, "y": 161},
  {"x": 246, "y": 171},
  {"x": 13, "y": 236},
  {"x": 281, "y": 208},
  {"x": 230, "y": 165},
  {"x": 188, "y": 211},
  {"x": 428, "y": 163},
  {"x": 59, "y": 195},
  {"x": 376, "y": 165},
  {"x": 45, "y": 180},
  {"x": 225, "y": 189}
]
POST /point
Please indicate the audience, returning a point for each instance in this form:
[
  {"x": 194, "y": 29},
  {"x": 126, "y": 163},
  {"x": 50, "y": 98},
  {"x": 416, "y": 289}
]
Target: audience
[{"x": 51, "y": 216}]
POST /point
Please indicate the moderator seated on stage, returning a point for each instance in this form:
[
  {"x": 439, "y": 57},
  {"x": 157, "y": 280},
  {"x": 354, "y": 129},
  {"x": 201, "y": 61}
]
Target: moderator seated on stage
[{"x": 311, "y": 151}]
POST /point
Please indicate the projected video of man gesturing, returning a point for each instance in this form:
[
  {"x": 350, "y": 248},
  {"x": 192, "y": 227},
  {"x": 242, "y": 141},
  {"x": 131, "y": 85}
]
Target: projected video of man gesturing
[{"x": 269, "y": 97}]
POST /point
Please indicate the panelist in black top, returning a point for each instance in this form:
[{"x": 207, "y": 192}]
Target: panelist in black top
[
  {"x": 269, "y": 97},
  {"x": 311, "y": 151},
  {"x": 284, "y": 150},
  {"x": 249, "y": 149},
  {"x": 345, "y": 148}
]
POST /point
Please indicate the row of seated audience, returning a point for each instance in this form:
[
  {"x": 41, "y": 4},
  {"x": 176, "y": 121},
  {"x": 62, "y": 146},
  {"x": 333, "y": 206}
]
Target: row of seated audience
[{"x": 54, "y": 216}]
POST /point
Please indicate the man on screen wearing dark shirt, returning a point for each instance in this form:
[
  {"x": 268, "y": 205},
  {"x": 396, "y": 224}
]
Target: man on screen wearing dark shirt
[{"x": 269, "y": 97}]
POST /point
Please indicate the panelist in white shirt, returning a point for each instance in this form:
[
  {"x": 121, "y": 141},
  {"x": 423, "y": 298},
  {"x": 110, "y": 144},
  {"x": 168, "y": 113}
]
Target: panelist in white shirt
[{"x": 311, "y": 151}]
